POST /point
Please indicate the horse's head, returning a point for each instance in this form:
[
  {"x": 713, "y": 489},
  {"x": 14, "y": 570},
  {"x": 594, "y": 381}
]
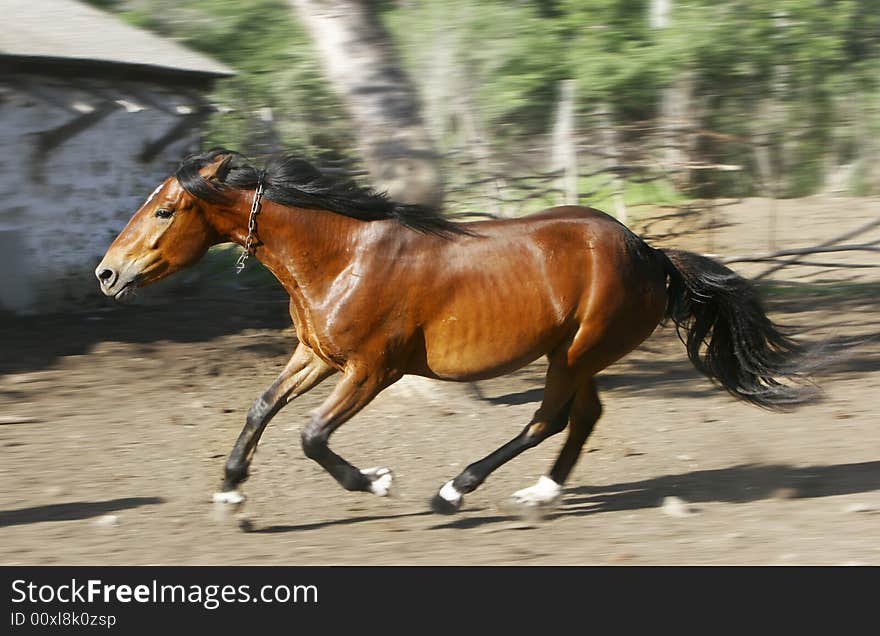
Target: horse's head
[{"x": 167, "y": 233}]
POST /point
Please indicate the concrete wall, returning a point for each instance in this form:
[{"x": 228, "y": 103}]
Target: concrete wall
[{"x": 60, "y": 210}]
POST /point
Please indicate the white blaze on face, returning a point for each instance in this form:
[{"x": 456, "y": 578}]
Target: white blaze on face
[{"x": 155, "y": 192}]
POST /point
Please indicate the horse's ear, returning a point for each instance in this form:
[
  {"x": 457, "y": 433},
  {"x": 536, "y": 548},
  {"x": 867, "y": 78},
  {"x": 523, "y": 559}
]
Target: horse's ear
[{"x": 217, "y": 169}]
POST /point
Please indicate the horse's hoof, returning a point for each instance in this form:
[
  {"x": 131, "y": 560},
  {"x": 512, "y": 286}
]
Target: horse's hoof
[
  {"x": 544, "y": 494},
  {"x": 233, "y": 497},
  {"x": 381, "y": 480},
  {"x": 227, "y": 505},
  {"x": 448, "y": 501}
]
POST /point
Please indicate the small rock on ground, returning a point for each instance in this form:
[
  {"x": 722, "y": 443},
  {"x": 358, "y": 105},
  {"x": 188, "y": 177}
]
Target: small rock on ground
[
  {"x": 675, "y": 507},
  {"x": 107, "y": 521}
]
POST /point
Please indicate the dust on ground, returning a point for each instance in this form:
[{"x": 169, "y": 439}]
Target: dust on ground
[{"x": 115, "y": 423}]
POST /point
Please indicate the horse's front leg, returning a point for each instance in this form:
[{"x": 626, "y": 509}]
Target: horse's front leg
[
  {"x": 354, "y": 392},
  {"x": 303, "y": 372}
]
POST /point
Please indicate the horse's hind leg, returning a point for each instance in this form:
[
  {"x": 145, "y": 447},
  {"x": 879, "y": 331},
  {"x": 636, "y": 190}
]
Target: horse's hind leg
[
  {"x": 548, "y": 420},
  {"x": 585, "y": 412},
  {"x": 303, "y": 372}
]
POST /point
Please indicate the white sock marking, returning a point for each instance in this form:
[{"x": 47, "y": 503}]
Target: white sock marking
[
  {"x": 450, "y": 494},
  {"x": 229, "y": 497},
  {"x": 381, "y": 480},
  {"x": 544, "y": 492}
]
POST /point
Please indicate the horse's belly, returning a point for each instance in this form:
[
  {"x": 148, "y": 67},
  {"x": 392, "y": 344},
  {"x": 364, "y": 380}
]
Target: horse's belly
[
  {"x": 499, "y": 309},
  {"x": 487, "y": 341}
]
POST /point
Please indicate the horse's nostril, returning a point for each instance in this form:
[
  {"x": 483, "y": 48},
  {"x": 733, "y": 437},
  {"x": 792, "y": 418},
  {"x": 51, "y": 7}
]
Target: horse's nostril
[{"x": 105, "y": 275}]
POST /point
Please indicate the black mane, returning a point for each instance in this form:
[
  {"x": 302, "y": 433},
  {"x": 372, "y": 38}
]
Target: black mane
[{"x": 295, "y": 182}]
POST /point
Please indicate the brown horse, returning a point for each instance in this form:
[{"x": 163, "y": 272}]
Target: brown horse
[{"x": 380, "y": 289}]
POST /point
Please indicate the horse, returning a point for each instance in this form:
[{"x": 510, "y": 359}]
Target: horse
[{"x": 380, "y": 289}]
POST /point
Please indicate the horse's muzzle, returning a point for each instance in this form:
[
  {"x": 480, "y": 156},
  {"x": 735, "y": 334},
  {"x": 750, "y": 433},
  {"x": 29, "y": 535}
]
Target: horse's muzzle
[{"x": 113, "y": 284}]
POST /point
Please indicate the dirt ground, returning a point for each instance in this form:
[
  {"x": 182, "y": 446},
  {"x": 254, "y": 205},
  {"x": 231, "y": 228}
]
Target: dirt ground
[{"x": 115, "y": 423}]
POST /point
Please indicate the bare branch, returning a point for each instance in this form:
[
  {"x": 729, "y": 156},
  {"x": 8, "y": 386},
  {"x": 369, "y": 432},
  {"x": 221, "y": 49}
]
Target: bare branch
[
  {"x": 803, "y": 251},
  {"x": 843, "y": 237}
]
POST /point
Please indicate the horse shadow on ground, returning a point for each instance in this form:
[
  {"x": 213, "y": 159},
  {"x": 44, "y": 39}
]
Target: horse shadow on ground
[
  {"x": 72, "y": 511},
  {"x": 736, "y": 484},
  {"x": 338, "y": 522}
]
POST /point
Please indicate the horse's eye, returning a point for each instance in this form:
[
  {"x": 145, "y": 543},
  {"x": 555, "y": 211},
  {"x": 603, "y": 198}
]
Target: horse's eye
[{"x": 164, "y": 213}]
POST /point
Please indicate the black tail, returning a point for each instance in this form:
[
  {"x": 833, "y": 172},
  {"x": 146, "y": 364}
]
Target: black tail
[{"x": 714, "y": 308}]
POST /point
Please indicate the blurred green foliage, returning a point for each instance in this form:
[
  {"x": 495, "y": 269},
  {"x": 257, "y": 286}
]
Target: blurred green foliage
[
  {"x": 276, "y": 68},
  {"x": 801, "y": 74}
]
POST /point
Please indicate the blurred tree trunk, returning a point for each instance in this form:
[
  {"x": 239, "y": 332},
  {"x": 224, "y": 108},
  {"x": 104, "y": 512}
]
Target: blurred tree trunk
[
  {"x": 675, "y": 108},
  {"x": 359, "y": 59}
]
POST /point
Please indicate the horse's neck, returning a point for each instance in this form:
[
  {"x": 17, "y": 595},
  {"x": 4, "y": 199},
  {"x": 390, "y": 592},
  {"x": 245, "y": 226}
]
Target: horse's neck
[{"x": 304, "y": 249}]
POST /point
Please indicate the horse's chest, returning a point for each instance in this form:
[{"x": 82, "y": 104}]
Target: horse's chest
[{"x": 311, "y": 331}]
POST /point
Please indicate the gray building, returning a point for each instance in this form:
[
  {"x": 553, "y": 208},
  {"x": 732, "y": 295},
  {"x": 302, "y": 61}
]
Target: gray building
[{"x": 93, "y": 114}]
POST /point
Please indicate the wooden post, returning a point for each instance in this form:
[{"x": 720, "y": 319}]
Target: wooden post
[
  {"x": 478, "y": 146},
  {"x": 564, "y": 155},
  {"x": 609, "y": 140}
]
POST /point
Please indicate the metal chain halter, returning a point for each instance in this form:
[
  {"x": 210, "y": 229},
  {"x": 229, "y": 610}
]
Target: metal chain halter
[{"x": 251, "y": 240}]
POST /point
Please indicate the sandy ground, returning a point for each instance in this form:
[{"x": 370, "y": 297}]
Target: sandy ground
[{"x": 115, "y": 423}]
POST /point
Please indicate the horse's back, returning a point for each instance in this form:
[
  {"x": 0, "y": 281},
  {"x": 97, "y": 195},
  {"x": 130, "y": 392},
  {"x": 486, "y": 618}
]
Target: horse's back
[{"x": 577, "y": 213}]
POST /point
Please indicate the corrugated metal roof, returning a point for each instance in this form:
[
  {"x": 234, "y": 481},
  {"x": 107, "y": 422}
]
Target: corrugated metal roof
[{"x": 64, "y": 29}]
